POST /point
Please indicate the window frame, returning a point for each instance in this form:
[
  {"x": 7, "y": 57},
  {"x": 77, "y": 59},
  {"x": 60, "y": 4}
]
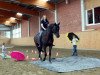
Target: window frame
[
  {"x": 7, "y": 34},
  {"x": 16, "y": 32},
  {"x": 87, "y": 24}
]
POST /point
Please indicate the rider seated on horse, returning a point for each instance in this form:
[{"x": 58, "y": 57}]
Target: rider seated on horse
[{"x": 44, "y": 24}]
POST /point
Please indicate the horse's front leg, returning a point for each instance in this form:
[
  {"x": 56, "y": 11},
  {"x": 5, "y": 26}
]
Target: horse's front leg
[
  {"x": 45, "y": 54},
  {"x": 50, "y": 47},
  {"x": 39, "y": 52},
  {"x": 40, "y": 55}
]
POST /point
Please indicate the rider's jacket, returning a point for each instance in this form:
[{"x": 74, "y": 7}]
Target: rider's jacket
[{"x": 45, "y": 23}]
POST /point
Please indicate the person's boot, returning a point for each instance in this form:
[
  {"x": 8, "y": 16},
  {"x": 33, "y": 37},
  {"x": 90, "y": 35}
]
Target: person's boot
[
  {"x": 53, "y": 45},
  {"x": 39, "y": 42}
]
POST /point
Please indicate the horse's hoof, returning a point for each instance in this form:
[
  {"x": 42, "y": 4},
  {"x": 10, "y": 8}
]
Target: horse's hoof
[
  {"x": 43, "y": 59},
  {"x": 50, "y": 61},
  {"x": 40, "y": 59}
]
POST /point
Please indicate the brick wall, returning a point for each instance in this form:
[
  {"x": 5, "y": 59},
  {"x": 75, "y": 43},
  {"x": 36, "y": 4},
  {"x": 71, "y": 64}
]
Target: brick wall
[
  {"x": 89, "y": 4},
  {"x": 69, "y": 15},
  {"x": 49, "y": 14},
  {"x": 24, "y": 28},
  {"x": 34, "y": 25}
]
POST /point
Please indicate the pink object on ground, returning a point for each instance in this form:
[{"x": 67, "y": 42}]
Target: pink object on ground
[
  {"x": 35, "y": 52},
  {"x": 19, "y": 56},
  {"x": 27, "y": 57},
  {"x": 34, "y": 59}
]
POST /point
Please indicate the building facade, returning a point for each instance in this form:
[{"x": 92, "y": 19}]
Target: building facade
[{"x": 79, "y": 16}]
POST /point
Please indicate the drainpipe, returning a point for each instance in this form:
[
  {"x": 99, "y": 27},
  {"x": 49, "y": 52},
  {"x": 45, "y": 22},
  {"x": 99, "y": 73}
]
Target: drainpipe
[
  {"x": 39, "y": 21},
  {"x": 21, "y": 28},
  {"x": 29, "y": 27},
  {"x": 11, "y": 33},
  {"x": 83, "y": 22},
  {"x": 56, "y": 14}
]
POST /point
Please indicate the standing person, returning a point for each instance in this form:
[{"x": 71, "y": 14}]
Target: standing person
[
  {"x": 3, "y": 51},
  {"x": 74, "y": 42},
  {"x": 44, "y": 24}
]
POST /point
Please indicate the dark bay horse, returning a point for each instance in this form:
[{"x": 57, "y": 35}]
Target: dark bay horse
[{"x": 47, "y": 40}]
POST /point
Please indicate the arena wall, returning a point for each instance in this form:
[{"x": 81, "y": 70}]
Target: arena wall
[{"x": 69, "y": 16}]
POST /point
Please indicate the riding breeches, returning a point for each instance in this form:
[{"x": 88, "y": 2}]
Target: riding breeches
[{"x": 40, "y": 35}]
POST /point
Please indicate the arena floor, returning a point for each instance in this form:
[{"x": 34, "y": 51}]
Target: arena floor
[{"x": 10, "y": 67}]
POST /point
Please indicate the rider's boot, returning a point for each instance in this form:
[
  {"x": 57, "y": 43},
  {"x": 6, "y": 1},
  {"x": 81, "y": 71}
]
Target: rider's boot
[{"x": 39, "y": 40}]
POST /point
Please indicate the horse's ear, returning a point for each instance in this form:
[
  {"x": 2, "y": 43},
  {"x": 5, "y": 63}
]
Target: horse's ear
[{"x": 59, "y": 23}]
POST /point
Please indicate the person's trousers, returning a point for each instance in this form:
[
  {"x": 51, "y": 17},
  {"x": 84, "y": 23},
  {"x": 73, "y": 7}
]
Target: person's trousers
[
  {"x": 40, "y": 35},
  {"x": 74, "y": 50},
  {"x": 3, "y": 55}
]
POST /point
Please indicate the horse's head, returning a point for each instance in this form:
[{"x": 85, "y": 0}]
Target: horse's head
[{"x": 56, "y": 29}]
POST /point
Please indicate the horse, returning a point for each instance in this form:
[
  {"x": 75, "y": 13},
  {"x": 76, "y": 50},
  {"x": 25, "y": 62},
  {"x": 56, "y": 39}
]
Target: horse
[{"x": 47, "y": 40}]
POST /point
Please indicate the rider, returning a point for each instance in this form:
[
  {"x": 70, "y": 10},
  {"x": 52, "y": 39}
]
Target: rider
[{"x": 44, "y": 24}]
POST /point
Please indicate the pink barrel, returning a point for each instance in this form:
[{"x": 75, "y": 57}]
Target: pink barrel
[{"x": 18, "y": 55}]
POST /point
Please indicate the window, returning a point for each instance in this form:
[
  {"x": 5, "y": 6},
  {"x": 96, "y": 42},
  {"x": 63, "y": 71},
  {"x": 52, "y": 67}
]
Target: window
[
  {"x": 7, "y": 34},
  {"x": 97, "y": 14},
  {"x": 16, "y": 31},
  {"x": 93, "y": 16},
  {"x": 90, "y": 17}
]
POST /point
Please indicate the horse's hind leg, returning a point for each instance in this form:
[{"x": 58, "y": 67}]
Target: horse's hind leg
[
  {"x": 45, "y": 54},
  {"x": 50, "y": 47},
  {"x": 40, "y": 55}
]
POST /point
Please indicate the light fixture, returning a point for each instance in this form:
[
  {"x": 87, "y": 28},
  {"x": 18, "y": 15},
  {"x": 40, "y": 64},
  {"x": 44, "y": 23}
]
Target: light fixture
[
  {"x": 46, "y": 0},
  {"x": 67, "y": 1},
  {"x": 12, "y": 19},
  {"x": 19, "y": 14}
]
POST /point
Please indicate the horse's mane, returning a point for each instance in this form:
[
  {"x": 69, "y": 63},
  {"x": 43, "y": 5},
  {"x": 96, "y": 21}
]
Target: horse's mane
[{"x": 51, "y": 25}]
